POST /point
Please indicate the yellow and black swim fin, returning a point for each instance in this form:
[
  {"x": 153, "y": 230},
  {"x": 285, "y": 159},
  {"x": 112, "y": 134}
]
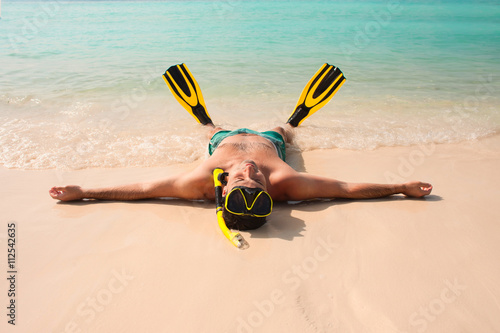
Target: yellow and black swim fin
[
  {"x": 318, "y": 91},
  {"x": 186, "y": 90}
]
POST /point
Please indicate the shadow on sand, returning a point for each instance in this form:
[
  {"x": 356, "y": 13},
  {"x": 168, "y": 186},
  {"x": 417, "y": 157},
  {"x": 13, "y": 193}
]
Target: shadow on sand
[{"x": 281, "y": 223}]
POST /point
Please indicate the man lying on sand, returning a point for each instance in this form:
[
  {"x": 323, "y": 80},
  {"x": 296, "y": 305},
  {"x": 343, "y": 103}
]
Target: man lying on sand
[
  {"x": 256, "y": 175},
  {"x": 252, "y": 161}
]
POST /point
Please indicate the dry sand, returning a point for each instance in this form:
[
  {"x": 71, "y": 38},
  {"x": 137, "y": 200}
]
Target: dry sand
[{"x": 387, "y": 265}]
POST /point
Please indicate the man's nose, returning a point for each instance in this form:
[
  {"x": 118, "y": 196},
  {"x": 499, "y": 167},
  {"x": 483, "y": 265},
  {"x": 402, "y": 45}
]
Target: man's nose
[{"x": 249, "y": 170}]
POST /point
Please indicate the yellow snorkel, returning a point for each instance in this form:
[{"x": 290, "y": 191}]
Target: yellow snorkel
[{"x": 234, "y": 237}]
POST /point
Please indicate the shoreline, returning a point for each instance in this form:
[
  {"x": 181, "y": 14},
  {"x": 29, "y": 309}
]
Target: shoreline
[
  {"x": 384, "y": 265},
  {"x": 292, "y": 150}
]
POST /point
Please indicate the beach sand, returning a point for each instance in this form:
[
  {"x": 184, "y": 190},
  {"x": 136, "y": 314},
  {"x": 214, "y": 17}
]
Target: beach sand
[{"x": 386, "y": 265}]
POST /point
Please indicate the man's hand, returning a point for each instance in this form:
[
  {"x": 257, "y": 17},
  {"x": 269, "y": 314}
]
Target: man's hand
[
  {"x": 417, "y": 189},
  {"x": 66, "y": 193}
]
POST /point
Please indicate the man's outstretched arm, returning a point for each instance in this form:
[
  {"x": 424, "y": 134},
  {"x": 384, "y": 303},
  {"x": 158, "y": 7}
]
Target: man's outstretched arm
[
  {"x": 184, "y": 186},
  {"x": 124, "y": 192},
  {"x": 305, "y": 186}
]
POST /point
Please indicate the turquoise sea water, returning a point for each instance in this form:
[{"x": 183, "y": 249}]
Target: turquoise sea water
[{"x": 81, "y": 85}]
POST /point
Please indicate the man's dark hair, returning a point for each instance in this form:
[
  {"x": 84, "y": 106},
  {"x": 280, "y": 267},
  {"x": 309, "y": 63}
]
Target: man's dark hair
[{"x": 242, "y": 222}]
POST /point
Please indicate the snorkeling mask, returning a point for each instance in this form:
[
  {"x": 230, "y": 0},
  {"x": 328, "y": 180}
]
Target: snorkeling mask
[{"x": 249, "y": 202}]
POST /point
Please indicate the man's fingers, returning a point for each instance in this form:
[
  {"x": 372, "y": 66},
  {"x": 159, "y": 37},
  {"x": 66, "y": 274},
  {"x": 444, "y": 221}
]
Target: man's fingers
[
  {"x": 426, "y": 187},
  {"x": 54, "y": 194},
  {"x": 418, "y": 189},
  {"x": 56, "y": 191}
]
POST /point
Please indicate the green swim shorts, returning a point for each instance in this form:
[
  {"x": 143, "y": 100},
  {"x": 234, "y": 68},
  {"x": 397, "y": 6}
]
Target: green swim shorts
[{"x": 275, "y": 138}]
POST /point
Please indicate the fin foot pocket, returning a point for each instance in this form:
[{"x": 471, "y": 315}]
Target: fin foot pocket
[{"x": 317, "y": 93}]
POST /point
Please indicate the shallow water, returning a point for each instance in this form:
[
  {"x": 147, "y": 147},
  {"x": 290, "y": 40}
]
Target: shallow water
[{"x": 81, "y": 82}]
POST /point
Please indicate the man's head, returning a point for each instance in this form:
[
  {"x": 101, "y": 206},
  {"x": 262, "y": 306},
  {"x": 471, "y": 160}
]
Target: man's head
[
  {"x": 246, "y": 202},
  {"x": 241, "y": 222},
  {"x": 247, "y": 174}
]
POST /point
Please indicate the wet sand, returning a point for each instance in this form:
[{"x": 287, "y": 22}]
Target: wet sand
[{"x": 385, "y": 265}]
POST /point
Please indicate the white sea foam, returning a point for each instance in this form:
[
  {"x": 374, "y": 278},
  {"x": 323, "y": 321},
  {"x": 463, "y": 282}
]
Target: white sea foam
[
  {"x": 85, "y": 135},
  {"x": 82, "y": 88}
]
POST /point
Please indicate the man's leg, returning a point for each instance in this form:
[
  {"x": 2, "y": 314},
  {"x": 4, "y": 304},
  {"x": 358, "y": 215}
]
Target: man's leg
[
  {"x": 212, "y": 129},
  {"x": 286, "y": 132}
]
